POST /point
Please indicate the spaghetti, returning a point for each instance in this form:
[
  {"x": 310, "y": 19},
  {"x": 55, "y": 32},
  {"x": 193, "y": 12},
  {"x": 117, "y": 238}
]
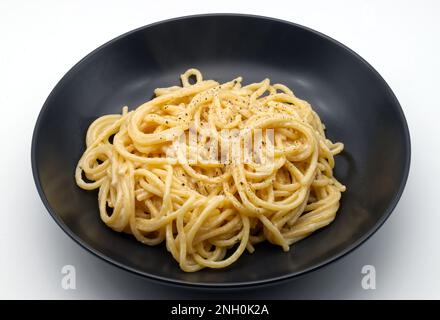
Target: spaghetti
[{"x": 209, "y": 212}]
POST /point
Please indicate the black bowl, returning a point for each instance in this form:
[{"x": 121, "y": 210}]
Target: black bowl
[{"x": 351, "y": 98}]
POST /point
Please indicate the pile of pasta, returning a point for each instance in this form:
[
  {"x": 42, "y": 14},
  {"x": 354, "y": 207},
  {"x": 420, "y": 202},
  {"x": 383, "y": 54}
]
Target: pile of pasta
[{"x": 209, "y": 213}]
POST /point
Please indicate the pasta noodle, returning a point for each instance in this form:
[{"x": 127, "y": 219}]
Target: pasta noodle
[{"x": 209, "y": 212}]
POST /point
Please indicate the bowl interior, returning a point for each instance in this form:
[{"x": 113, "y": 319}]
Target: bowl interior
[{"x": 353, "y": 101}]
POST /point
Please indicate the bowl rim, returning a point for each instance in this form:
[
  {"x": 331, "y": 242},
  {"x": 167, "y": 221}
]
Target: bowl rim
[{"x": 231, "y": 285}]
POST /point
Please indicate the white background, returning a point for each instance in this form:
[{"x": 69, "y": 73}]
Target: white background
[{"x": 41, "y": 40}]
